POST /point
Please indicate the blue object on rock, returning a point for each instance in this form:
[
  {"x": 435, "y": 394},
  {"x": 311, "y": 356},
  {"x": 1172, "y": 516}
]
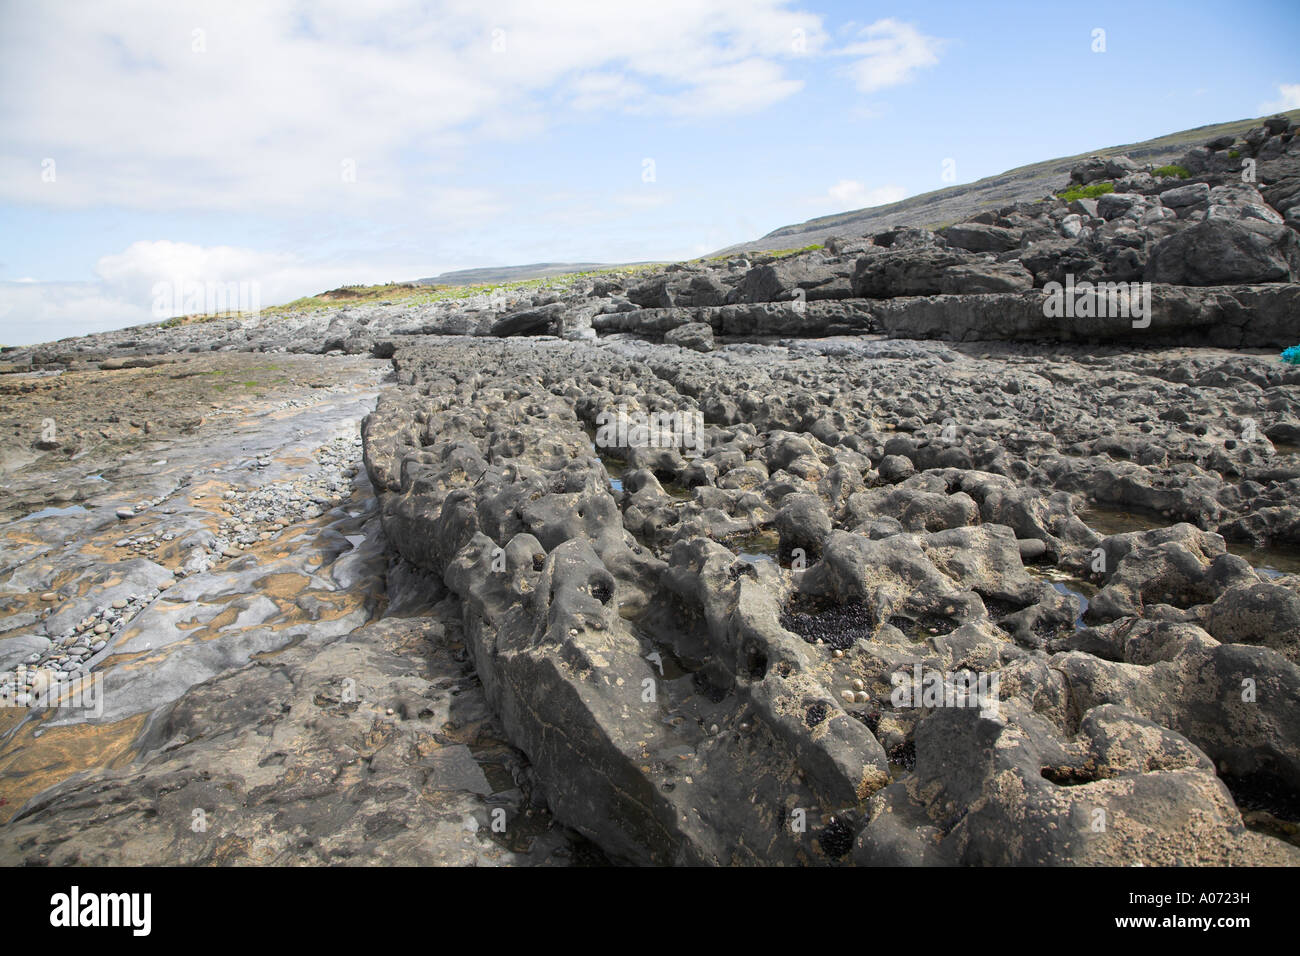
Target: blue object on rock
[{"x": 1292, "y": 355}]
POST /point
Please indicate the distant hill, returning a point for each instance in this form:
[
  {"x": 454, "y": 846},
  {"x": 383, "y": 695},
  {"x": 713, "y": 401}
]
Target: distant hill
[
  {"x": 932, "y": 210},
  {"x": 954, "y": 203},
  {"x": 495, "y": 274}
]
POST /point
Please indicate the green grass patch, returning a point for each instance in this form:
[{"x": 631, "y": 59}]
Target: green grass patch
[
  {"x": 415, "y": 295},
  {"x": 1173, "y": 169},
  {"x": 770, "y": 253},
  {"x": 410, "y": 294},
  {"x": 179, "y": 320},
  {"x": 787, "y": 253},
  {"x": 1087, "y": 192}
]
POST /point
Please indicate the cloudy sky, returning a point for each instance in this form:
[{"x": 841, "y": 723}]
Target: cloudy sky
[{"x": 307, "y": 145}]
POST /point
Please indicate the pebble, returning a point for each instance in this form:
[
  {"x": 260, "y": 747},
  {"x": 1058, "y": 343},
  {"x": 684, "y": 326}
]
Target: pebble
[
  {"x": 253, "y": 515},
  {"x": 847, "y": 696},
  {"x": 257, "y": 514}
]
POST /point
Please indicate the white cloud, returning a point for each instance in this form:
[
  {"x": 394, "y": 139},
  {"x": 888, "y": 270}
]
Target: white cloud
[
  {"x": 33, "y": 312},
  {"x": 264, "y": 113},
  {"x": 1288, "y": 99},
  {"x": 732, "y": 88},
  {"x": 643, "y": 199},
  {"x": 125, "y": 291},
  {"x": 263, "y": 106},
  {"x": 133, "y": 274},
  {"x": 464, "y": 205},
  {"x": 604, "y": 90},
  {"x": 889, "y": 54},
  {"x": 850, "y": 194}
]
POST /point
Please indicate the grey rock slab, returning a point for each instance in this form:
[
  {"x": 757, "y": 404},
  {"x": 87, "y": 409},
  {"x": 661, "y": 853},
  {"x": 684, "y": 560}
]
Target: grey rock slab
[{"x": 16, "y": 650}]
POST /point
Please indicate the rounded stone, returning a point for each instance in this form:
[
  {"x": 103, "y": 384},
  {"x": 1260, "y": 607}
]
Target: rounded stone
[{"x": 896, "y": 468}]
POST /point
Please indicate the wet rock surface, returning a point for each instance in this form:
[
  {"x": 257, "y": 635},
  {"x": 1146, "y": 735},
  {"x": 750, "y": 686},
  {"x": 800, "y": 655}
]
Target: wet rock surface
[
  {"x": 858, "y": 555},
  {"x": 234, "y": 685}
]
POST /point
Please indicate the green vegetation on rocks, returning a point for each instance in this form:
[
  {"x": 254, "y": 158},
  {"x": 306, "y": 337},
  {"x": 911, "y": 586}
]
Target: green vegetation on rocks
[
  {"x": 772, "y": 254},
  {"x": 406, "y": 293},
  {"x": 1087, "y": 192}
]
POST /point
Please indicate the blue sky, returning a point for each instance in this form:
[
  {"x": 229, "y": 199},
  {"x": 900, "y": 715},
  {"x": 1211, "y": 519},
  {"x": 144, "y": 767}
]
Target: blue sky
[{"x": 209, "y": 142}]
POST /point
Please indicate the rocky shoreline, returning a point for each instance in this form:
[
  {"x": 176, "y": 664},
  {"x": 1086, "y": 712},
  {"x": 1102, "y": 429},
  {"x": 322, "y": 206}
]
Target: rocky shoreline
[
  {"x": 944, "y": 575},
  {"x": 917, "y": 548},
  {"x": 262, "y": 699}
]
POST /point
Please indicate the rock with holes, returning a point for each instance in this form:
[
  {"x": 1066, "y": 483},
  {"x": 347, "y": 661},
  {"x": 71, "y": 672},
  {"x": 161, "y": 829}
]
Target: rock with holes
[
  {"x": 918, "y": 504},
  {"x": 1014, "y": 790},
  {"x": 499, "y": 492},
  {"x": 1262, "y": 613},
  {"x": 1237, "y": 702},
  {"x": 1179, "y": 567}
]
